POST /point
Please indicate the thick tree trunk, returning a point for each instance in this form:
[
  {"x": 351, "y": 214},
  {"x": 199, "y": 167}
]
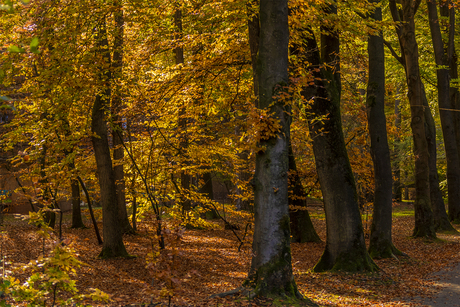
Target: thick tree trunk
[
  {"x": 113, "y": 241},
  {"x": 381, "y": 243},
  {"x": 345, "y": 245},
  {"x": 443, "y": 59},
  {"x": 302, "y": 229},
  {"x": 271, "y": 269},
  {"x": 424, "y": 224},
  {"x": 441, "y": 220}
]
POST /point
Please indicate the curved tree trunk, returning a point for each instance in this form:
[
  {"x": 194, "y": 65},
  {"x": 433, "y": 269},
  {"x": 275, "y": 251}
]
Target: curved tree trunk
[
  {"x": 345, "y": 245},
  {"x": 381, "y": 243},
  {"x": 113, "y": 242},
  {"x": 271, "y": 269}
]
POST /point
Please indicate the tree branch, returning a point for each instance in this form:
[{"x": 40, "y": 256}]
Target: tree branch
[{"x": 393, "y": 52}]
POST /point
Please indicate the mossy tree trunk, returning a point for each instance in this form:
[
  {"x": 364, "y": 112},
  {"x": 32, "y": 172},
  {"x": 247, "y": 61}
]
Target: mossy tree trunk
[
  {"x": 424, "y": 223},
  {"x": 381, "y": 242},
  {"x": 113, "y": 245},
  {"x": 345, "y": 246},
  {"x": 271, "y": 269}
]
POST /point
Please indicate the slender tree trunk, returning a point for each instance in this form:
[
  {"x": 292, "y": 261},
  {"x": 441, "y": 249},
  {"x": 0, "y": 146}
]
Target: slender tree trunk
[
  {"x": 271, "y": 269},
  {"x": 90, "y": 208},
  {"x": 381, "y": 243},
  {"x": 345, "y": 245},
  {"x": 117, "y": 129},
  {"x": 302, "y": 229},
  {"x": 77, "y": 221},
  {"x": 443, "y": 59},
  {"x": 113, "y": 245},
  {"x": 424, "y": 223},
  {"x": 397, "y": 187},
  {"x": 183, "y": 140}
]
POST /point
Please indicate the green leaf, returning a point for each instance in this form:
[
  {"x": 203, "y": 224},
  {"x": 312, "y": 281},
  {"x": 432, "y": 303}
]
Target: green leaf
[
  {"x": 34, "y": 43},
  {"x": 4, "y": 98},
  {"x": 15, "y": 49}
]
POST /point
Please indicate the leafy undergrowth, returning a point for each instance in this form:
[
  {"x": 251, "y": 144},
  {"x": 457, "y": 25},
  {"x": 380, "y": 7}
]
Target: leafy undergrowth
[{"x": 208, "y": 262}]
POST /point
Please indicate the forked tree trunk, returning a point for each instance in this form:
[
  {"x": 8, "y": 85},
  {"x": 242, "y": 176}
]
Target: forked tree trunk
[
  {"x": 381, "y": 242},
  {"x": 443, "y": 59},
  {"x": 424, "y": 224},
  {"x": 345, "y": 245},
  {"x": 113, "y": 245},
  {"x": 271, "y": 269}
]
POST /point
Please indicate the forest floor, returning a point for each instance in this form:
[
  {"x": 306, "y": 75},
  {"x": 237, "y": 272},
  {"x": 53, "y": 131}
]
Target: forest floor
[{"x": 207, "y": 262}]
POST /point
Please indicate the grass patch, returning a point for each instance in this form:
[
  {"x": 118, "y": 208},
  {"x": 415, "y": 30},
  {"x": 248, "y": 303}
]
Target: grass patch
[{"x": 403, "y": 212}]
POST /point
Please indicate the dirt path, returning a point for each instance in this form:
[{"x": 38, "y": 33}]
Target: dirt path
[{"x": 448, "y": 281}]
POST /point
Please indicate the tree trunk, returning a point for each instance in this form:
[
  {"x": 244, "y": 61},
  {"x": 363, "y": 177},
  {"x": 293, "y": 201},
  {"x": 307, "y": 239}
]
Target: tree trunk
[
  {"x": 117, "y": 130},
  {"x": 77, "y": 221},
  {"x": 424, "y": 224},
  {"x": 381, "y": 243},
  {"x": 443, "y": 59},
  {"x": 345, "y": 245},
  {"x": 207, "y": 189},
  {"x": 271, "y": 269},
  {"x": 302, "y": 229},
  {"x": 183, "y": 140},
  {"x": 113, "y": 241},
  {"x": 397, "y": 187},
  {"x": 441, "y": 220}
]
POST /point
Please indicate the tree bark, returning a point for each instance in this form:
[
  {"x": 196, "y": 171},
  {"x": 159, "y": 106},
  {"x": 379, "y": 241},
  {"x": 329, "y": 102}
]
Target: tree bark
[
  {"x": 113, "y": 245},
  {"x": 441, "y": 220},
  {"x": 345, "y": 245},
  {"x": 424, "y": 223},
  {"x": 397, "y": 187},
  {"x": 443, "y": 59},
  {"x": 302, "y": 229},
  {"x": 183, "y": 140},
  {"x": 117, "y": 129},
  {"x": 381, "y": 242},
  {"x": 77, "y": 221},
  {"x": 271, "y": 269}
]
